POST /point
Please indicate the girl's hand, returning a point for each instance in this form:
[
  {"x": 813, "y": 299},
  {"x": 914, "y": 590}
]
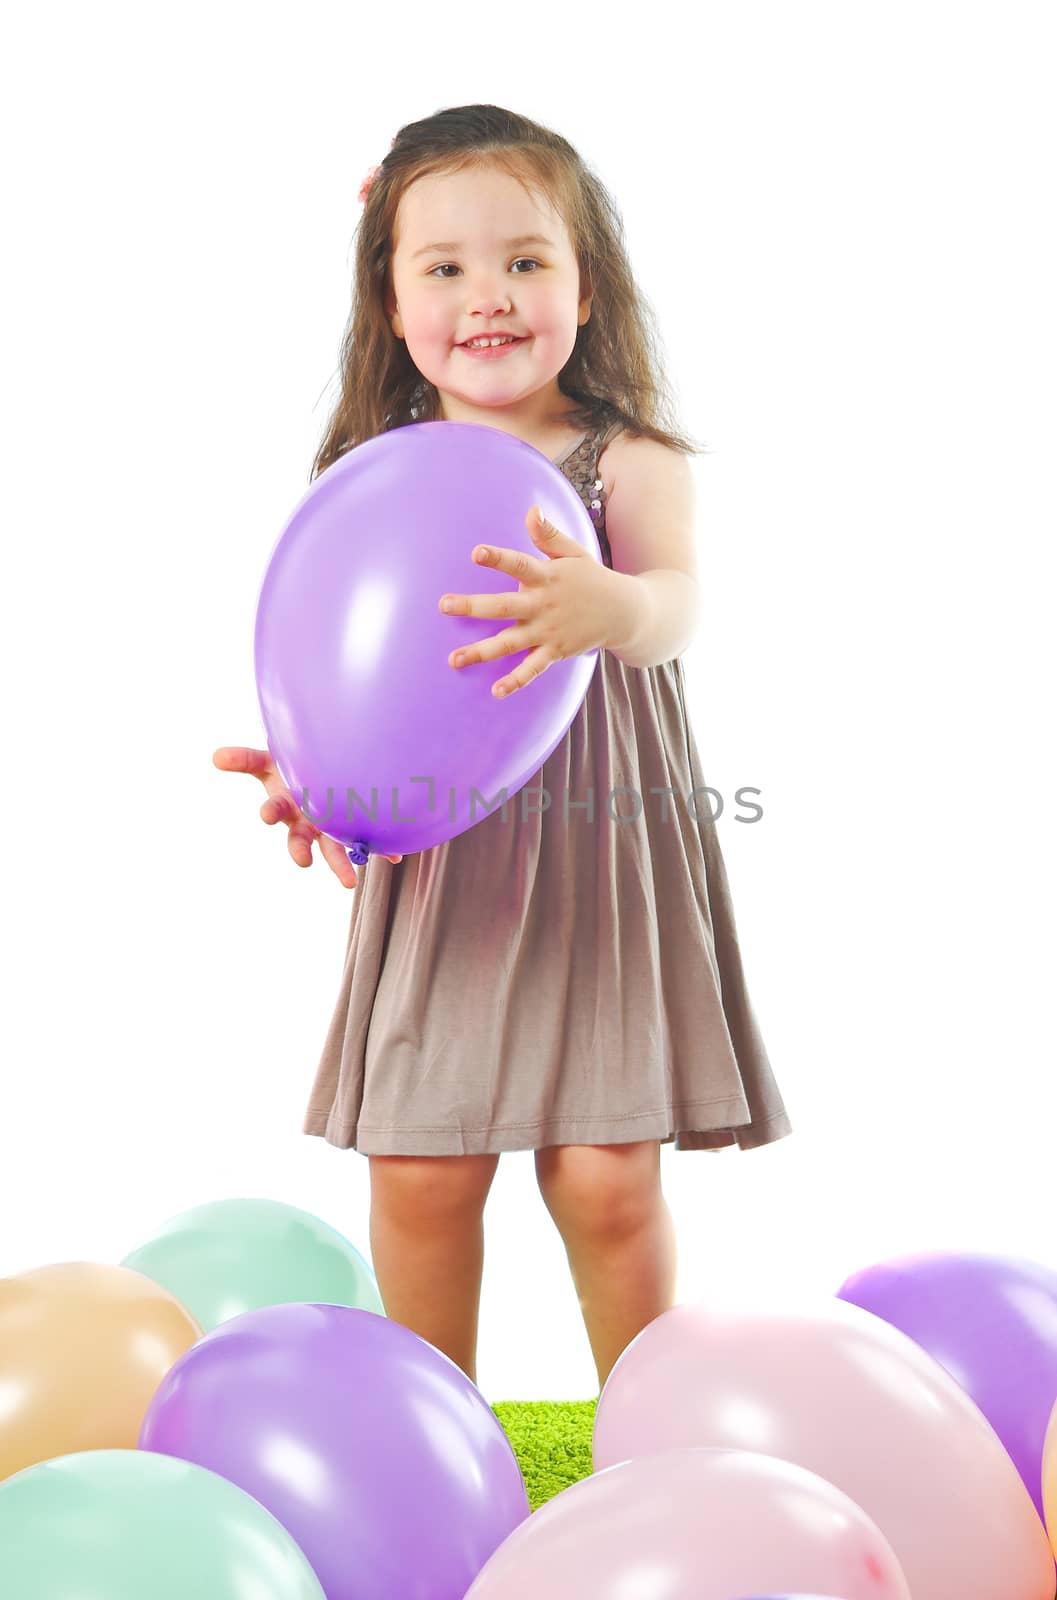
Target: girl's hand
[
  {"x": 566, "y": 603},
  {"x": 281, "y": 806}
]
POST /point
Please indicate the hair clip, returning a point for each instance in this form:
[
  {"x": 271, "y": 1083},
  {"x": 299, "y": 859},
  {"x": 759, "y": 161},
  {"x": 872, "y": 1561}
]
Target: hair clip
[{"x": 372, "y": 173}]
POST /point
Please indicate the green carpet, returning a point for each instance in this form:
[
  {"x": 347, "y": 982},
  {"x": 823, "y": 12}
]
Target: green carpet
[{"x": 552, "y": 1442}]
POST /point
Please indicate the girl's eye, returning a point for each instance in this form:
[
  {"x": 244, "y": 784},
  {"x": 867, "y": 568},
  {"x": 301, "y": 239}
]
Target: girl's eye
[{"x": 518, "y": 258}]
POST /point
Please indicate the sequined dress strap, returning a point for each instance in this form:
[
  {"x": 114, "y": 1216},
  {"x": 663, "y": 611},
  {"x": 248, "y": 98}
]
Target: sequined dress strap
[{"x": 581, "y": 468}]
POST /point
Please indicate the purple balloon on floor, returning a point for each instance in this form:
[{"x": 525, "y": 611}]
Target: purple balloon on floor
[
  {"x": 991, "y": 1321},
  {"x": 370, "y": 1446},
  {"x": 384, "y": 745}
]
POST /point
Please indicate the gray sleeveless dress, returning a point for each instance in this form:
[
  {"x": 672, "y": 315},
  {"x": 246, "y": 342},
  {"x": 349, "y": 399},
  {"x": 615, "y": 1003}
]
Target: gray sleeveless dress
[{"x": 568, "y": 974}]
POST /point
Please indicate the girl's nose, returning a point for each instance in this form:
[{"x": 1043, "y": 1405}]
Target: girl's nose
[{"x": 489, "y": 302}]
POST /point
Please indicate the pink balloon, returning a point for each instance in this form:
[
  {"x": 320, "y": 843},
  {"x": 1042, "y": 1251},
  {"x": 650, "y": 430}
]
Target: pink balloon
[
  {"x": 383, "y": 744},
  {"x": 846, "y": 1395},
  {"x": 693, "y": 1524}
]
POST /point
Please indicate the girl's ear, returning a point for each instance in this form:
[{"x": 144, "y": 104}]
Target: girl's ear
[
  {"x": 587, "y": 294},
  {"x": 393, "y": 314}
]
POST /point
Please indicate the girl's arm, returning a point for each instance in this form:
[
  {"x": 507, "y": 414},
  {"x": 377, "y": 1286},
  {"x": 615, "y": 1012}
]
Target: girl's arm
[
  {"x": 650, "y": 527},
  {"x": 663, "y": 616}
]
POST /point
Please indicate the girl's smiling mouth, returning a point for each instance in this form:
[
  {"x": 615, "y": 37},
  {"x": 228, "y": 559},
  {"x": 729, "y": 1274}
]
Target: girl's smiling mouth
[{"x": 491, "y": 350}]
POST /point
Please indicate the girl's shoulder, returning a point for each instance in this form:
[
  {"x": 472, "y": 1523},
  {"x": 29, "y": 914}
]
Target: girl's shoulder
[
  {"x": 617, "y": 448},
  {"x": 649, "y": 497}
]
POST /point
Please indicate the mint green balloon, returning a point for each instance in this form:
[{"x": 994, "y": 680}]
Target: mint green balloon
[
  {"x": 135, "y": 1525},
  {"x": 231, "y": 1256}
]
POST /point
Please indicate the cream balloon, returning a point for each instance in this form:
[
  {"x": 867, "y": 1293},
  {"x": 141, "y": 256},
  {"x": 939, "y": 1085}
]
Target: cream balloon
[
  {"x": 83, "y": 1347},
  {"x": 696, "y": 1524},
  {"x": 848, "y": 1396}
]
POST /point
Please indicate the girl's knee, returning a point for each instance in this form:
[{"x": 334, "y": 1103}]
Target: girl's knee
[
  {"x": 604, "y": 1189},
  {"x": 432, "y": 1188}
]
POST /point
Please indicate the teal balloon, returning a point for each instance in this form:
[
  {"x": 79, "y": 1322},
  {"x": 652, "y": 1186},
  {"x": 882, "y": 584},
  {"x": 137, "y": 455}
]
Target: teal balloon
[
  {"x": 134, "y": 1525},
  {"x": 231, "y": 1256}
]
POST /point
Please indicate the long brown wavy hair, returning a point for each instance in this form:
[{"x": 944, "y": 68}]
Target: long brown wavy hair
[{"x": 615, "y": 373}]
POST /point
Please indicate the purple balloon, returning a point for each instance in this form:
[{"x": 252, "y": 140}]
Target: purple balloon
[
  {"x": 370, "y": 1446},
  {"x": 380, "y": 741},
  {"x": 991, "y": 1321}
]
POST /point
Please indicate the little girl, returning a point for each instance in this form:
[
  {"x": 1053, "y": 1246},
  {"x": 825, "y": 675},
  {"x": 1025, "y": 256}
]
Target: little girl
[{"x": 564, "y": 977}]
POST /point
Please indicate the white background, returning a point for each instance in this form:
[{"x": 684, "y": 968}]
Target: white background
[{"x": 842, "y": 216}]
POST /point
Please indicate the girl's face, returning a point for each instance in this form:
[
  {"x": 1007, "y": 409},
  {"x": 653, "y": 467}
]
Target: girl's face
[{"x": 463, "y": 265}]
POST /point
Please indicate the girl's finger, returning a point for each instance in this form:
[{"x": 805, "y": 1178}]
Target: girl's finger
[
  {"x": 554, "y": 540},
  {"x": 299, "y": 843},
  {"x": 241, "y": 758},
  {"x": 517, "y": 563},
  {"x": 533, "y": 666},
  {"x": 506, "y": 643},
  {"x": 336, "y": 857},
  {"x": 280, "y": 807},
  {"x": 509, "y": 603}
]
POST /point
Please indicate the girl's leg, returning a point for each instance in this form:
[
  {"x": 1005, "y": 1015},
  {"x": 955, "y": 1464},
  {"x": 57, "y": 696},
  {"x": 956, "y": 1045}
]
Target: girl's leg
[
  {"x": 607, "y": 1203},
  {"x": 427, "y": 1246}
]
